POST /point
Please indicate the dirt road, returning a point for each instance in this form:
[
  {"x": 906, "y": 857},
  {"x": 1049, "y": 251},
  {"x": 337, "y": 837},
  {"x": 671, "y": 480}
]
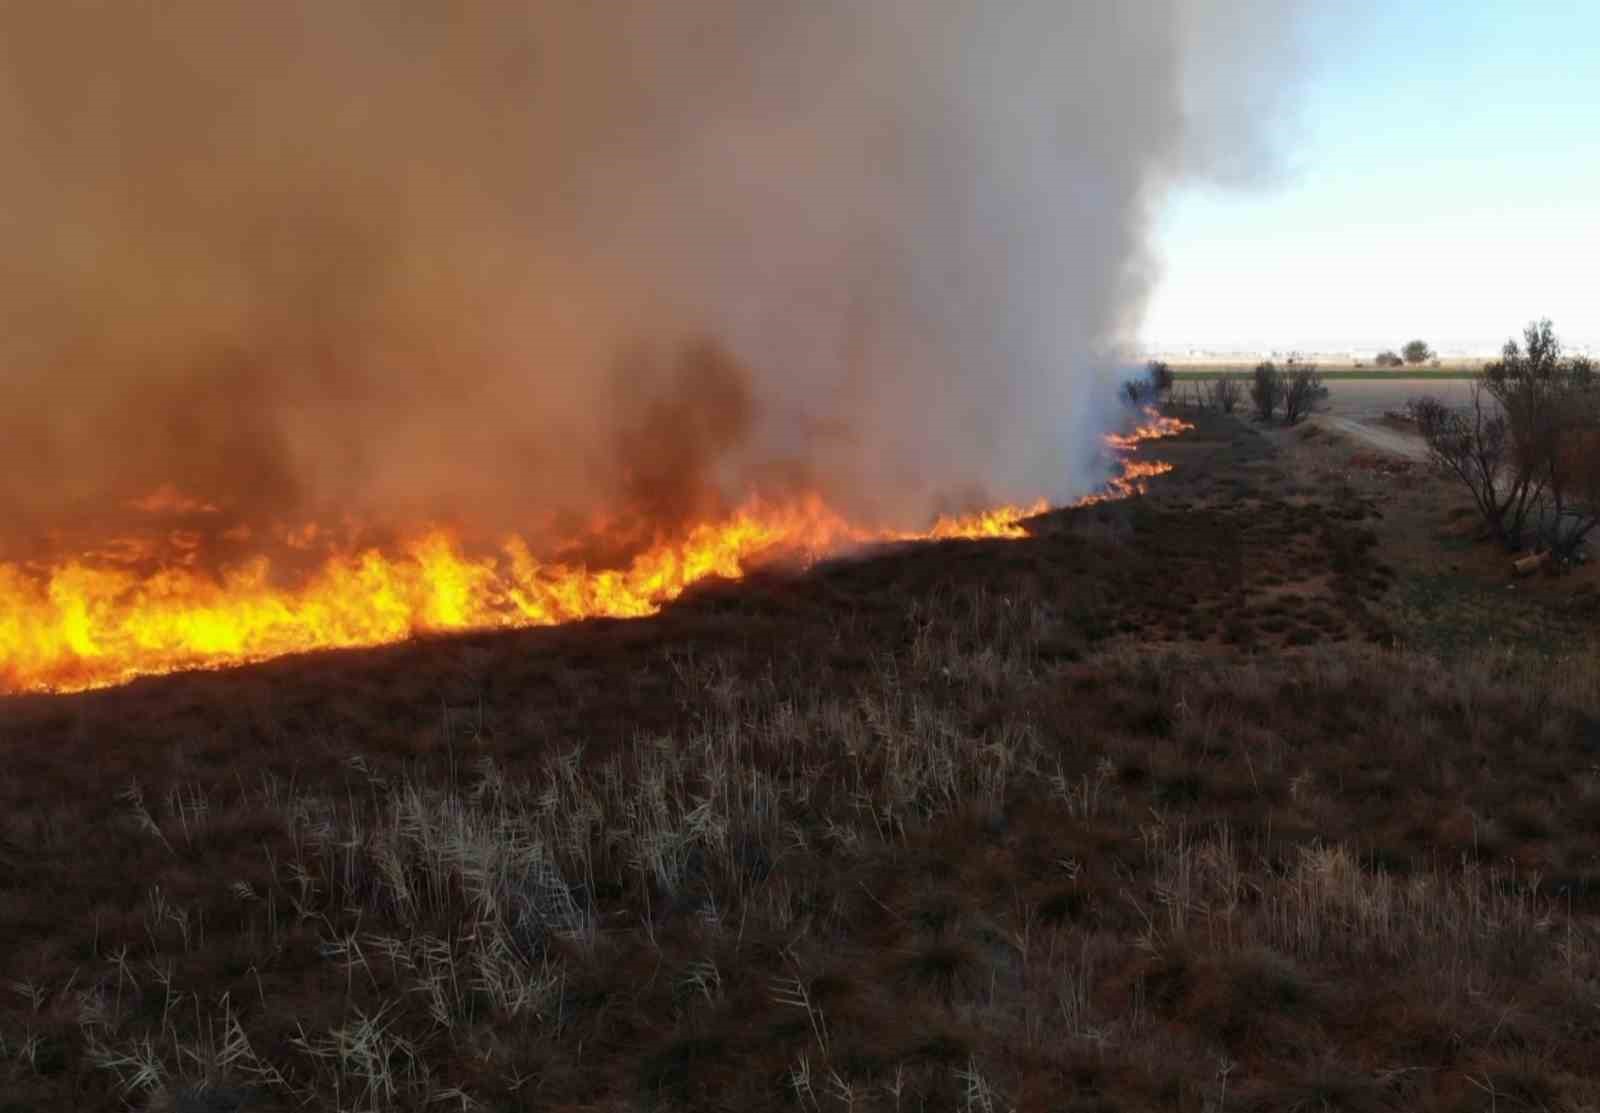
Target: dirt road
[
  {"x": 1392, "y": 441},
  {"x": 1356, "y": 409}
]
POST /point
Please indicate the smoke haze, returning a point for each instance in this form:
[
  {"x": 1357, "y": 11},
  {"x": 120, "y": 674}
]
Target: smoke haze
[{"x": 505, "y": 262}]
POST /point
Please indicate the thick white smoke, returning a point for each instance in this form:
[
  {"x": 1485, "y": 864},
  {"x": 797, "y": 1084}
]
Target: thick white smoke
[{"x": 501, "y": 260}]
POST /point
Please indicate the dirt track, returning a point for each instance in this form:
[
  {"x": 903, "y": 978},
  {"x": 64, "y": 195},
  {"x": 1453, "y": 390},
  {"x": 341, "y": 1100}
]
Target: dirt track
[
  {"x": 1355, "y": 408},
  {"x": 1392, "y": 441}
]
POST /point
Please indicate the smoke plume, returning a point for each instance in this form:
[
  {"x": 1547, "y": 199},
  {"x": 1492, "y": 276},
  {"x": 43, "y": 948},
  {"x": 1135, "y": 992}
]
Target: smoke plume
[{"x": 524, "y": 262}]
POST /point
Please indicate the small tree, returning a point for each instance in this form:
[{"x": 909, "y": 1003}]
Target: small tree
[
  {"x": 1387, "y": 359},
  {"x": 1266, "y": 389},
  {"x": 1302, "y": 392},
  {"x": 1416, "y": 352}
]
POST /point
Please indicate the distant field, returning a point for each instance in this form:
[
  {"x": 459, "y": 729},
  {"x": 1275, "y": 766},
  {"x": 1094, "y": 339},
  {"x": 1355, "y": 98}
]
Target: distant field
[
  {"x": 1369, "y": 399},
  {"x": 1364, "y": 374}
]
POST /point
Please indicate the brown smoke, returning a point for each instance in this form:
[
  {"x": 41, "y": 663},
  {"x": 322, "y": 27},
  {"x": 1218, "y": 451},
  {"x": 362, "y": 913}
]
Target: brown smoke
[{"x": 501, "y": 260}]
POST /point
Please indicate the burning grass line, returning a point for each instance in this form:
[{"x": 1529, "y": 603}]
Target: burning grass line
[
  {"x": 77, "y": 625},
  {"x": 959, "y": 796}
]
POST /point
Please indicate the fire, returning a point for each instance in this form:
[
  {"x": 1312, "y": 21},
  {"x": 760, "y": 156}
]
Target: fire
[
  {"x": 1154, "y": 427},
  {"x": 1133, "y": 481},
  {"x": 93, "y": 622}
]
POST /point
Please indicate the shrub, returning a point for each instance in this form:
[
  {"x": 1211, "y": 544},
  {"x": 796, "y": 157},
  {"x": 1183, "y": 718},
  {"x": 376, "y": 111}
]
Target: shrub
[
  {"x": 1302, "y": 392},
  {"x": 1552, "y": 407},
  {"x": 1152, "y": 386},
  {"x": 1266, "y": 389},
  {"x": 1528, "y": 446},
  {"x": 1387, "y": 359},
  {"x": 1155, "y": 384},
  {"x": 1224, "y": 394}
]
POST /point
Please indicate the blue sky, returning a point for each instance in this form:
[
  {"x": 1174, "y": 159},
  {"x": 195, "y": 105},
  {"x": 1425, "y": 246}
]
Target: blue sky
[{"x": 1441, "y": 178}]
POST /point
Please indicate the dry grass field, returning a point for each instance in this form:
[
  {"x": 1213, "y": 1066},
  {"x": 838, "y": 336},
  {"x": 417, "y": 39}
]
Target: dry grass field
[
  {"x": 1339, "y": 366},
  {"x": 1370, "y": 397},
  {"x": 1267, "y": 791}
]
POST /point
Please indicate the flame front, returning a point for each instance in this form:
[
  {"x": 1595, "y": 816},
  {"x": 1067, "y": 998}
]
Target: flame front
[
  {"x": 80, "y": 624},
  {"x": 1155, "y": 426}
]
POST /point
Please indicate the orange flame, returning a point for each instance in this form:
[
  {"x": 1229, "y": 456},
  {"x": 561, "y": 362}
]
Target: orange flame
[
  {"x": 88, "y": 622},
  {"x": 1155, "y": 427}
]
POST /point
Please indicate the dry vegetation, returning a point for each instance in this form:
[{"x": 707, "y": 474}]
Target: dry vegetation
[
  {"x": 1528, "y": 448},
  {"x": 1171, "y": 805}
]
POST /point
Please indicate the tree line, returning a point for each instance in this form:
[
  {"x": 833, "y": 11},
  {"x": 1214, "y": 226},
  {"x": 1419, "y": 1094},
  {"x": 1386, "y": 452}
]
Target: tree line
[
  {"x": 1413, "y": 353},
  {"x": 1292, "y": 391}
]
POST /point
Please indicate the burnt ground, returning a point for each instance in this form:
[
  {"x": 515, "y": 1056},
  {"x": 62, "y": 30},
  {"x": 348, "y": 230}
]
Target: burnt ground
[{"x": 1268, "y": 790}]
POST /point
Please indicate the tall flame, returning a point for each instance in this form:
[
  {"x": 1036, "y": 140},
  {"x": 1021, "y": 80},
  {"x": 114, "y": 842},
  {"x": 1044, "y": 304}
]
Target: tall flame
[{"x": 84, "y": 623}]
